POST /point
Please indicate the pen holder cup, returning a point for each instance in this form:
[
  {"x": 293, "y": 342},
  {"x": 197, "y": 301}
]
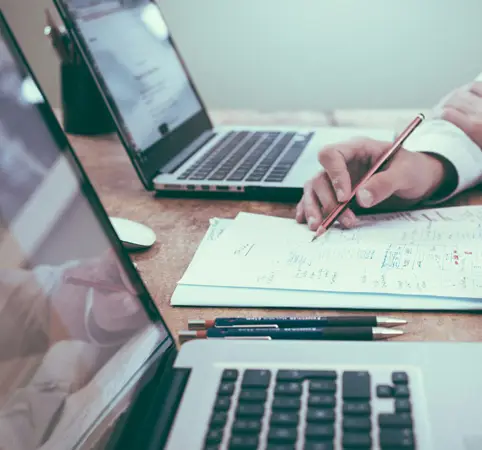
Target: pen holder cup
[{"x": 84, "y": 109}]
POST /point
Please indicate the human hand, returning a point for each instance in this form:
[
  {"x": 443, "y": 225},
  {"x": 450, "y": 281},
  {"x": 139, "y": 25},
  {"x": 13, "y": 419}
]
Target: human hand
[
  {"x": 115, "y": 306},
  {"x": 463, "y": 108},
  {"x": 408, "y": 178}
]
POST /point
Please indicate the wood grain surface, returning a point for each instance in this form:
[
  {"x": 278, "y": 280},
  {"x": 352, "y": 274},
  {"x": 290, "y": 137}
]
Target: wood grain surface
[{"x": 180, "y": 224}]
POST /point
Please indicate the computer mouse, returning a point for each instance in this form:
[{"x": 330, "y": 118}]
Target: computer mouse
[{"x": 134, "y": 235}]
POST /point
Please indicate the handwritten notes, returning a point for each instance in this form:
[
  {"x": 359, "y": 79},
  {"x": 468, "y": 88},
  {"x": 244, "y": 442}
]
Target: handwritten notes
[
  {"x": 391, "y": 231},
  {"x": 430, "y": 253}
]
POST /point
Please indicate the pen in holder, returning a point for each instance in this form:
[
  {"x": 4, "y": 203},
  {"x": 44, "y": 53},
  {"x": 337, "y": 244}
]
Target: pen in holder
[{"x": 84, "y": 110}]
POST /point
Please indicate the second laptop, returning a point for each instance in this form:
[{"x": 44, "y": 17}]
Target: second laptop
[{"x": 162, "y": 121}]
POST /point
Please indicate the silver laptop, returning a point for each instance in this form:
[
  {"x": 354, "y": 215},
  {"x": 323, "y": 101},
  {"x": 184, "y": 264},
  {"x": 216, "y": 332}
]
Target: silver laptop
[
  {"x": 161, "y": 118},
  {"x": 86, "y": 360}
]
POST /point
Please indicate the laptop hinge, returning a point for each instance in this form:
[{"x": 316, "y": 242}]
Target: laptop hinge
[
  {"x": 147, "y": 423},
  {"x": 186, "y": 153}
]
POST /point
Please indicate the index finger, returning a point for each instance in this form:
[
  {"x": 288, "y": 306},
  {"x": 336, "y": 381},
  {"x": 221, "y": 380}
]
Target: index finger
[{"x": 335, "y": 159}]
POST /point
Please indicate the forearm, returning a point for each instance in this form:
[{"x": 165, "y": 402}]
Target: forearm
[{"x": 460, "y": 155}]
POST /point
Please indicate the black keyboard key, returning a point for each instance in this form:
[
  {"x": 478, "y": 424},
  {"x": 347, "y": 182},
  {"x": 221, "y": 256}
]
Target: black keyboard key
[
  {"x": 275, "y": 179},
  {"x": 229, "y": 164},
  {"x": 230, "y": 375},
  {"x": 300, "y": 375},
  {"x": 320, "y": 415},
  {"x": 286, "y": 403},
  {"x": 284, "y": 419},
  {"x": 246, "y": 426},
  {"x": 256, "y": 379},
  {"x": 250, "y": 410},
  {"x": 211, "y": 447},
  {"x": 356, "y": 408},
  {"x": 219, "y": 176},
  {"x": 356, "y": 385},
  {"x": 399, "y": 378},
  {"x": 279, "y": 447},
  {"x": 397, "y": 438},
  {"x": 321, "y": 432},
  {"x": 214, "y": 436},
  {"x": 384, "y": 391},
  {"x": 252, "y": 159},
  {"x": 226, "y": 388},
  {"x": 252, "y": 396},
  {"x": 291, "y": 156},
  {"x": 356, "y": 440},
  {"x": 276, "y": 176},
  {"x": 403, "y": 420},
  {"x": 243, "y": 442},
  {"x": 402, "y": 405},
  {"x": 282, "y": 435},
  {"x": 214, "y": 157},
  {"x": 222, "y": 404},
  {"x": 323, "y": 386},
  {"x": 256, "y": 176},
  {"x": 401, "y": 391},
  {"x": 219, "y": 419},
  {"x": 357, "y": 423},
  {"x": 314, "y": 445},
  {"x": 288, "y": 389},
  {"x": 278, "y": 173},
  {"x": 237, "y": 175},
  {"x": 198, "y": 177},
  {"x": 322, "y": 401},
  {"x": 269, "y": 159}
]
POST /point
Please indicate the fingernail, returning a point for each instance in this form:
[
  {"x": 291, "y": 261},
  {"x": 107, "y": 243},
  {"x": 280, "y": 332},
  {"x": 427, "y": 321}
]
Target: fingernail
[
  {"x": 366, "y": 198},
  {"x": 339, "y": 194},
  {"x": 311, "y": 222},
  {"x": 352, "y": 222}
]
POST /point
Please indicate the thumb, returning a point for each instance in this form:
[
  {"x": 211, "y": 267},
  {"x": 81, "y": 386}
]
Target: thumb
[{"x": 377, "y": 189}]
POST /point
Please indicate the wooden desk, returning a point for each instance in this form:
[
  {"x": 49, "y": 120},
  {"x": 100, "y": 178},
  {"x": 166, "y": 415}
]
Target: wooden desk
[{"x": 180, "y": 224}]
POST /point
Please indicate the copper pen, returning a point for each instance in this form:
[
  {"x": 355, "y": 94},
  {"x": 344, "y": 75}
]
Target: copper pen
[{"x": 397, "y": 145}]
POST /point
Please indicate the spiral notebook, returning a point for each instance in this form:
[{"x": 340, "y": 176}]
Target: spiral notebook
[{"x": 428, "y": 259}]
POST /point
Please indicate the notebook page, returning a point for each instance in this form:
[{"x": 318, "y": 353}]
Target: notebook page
[
  {"x": 202, "y": 259},
  {"x": 267, "y": 257},
  {"x": 450, "y": 214},
  {"x": 392, "y": 231}
]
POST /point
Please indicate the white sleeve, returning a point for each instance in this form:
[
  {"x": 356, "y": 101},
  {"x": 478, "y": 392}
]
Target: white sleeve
[{"x": 445, "y": 139}]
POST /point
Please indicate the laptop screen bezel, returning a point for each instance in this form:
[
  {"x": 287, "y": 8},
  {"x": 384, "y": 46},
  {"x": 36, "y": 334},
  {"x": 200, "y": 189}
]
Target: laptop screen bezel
[
  {"x": 168, "y": 146},
  {"x": 65, "y": 149}
]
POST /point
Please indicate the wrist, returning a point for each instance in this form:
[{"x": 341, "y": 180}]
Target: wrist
[{"x": 443, "y": 175}]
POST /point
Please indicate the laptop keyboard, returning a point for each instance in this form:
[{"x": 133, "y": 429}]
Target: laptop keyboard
[
  {"x": 250, "y": 156},
  {"x": 311, "y": 410}
]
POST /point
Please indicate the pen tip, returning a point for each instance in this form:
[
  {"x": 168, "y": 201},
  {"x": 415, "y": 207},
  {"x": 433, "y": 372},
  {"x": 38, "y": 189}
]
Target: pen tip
[
  {"x": 385, "y": 333},
  {"x": 197, "y": 324},
  {"x": 187, "y": 335},
  {"x": 390, "y": 321}
]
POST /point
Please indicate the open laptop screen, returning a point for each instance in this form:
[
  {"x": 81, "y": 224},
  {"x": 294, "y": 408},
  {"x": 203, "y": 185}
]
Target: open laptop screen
[
  {"x": 77, "y": 327},
  {"x": 131, "y": 53}
]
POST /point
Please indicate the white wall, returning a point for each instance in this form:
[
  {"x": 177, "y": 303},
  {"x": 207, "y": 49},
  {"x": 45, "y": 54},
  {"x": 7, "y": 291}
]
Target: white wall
[{"x": 307, "y": 54}]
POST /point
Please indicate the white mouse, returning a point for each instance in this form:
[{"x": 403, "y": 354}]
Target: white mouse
[{"x": 134, "y": 235}]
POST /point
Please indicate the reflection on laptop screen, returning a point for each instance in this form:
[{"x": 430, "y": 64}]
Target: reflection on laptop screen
[
  {"x": 133, "y": 51},
  {"x": 74, "y": 337}
]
